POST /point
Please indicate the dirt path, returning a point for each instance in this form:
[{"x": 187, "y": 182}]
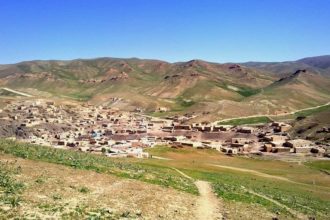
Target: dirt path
[
  {"x": 271, "y": 115},
  {"x": 182, "y": 173},
  {"x": 257, "y": 173},
  {"x": 265, "y": 175},
  {"x": 161, "y": 158},
  {"x": 208, "y": 205},
  {"x": 293, "y": 212}
]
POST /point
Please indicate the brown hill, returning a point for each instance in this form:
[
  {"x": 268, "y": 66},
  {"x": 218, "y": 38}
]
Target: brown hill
[
  {"x": 194, "y": 86},
  {"x": 314, "y": 127},
  {"x": 322, "y": 62}
]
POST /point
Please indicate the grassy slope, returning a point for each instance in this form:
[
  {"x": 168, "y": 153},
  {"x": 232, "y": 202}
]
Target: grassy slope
[
  {"x": 122, "y": 168},
  {"x": 53, "y": 191},
  {"x": 262, "y": 119},
  {"x": 206, "y": 84},
  {"x": 143, "y": 76},
  {"x": 10, "y": 189},
  {"x": 6, "y": 93},
  {"x": 312, "y": 111},
  {"x": 233, "y": 185},
  {"x": 302, "y": 196},
  {"x": 299, "y": 91},
  {"x": 319, "y": 165}
]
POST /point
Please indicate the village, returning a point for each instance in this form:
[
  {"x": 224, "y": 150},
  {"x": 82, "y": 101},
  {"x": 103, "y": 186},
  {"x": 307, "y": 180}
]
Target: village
[{"x": 114, "y": 133}]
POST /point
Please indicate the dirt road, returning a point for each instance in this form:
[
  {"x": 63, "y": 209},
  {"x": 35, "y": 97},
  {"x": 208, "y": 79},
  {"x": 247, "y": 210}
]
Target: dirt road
[
  {"x": 271, "y": 115},
  {"x": 257, "y": 173},
  {"x": 161, "y": 158},
  {"x": 17, "y": 92}
]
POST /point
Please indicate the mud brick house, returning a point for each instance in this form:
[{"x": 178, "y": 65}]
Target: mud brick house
[
  {"x": 281, "y": 127},
  {"x": 245, "y": 130},
  {"x": 281, "y": 150},
  {"x": 298, "y": 143},
  {"x": 182, "y": 127},
  {"x": 239, "y": 142}
]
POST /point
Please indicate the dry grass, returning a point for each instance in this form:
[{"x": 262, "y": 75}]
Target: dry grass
[{"x": 62, "y": 192}]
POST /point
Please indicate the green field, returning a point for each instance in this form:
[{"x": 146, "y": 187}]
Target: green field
[
  {"x": 246, "y": 121},
  {"x": 322, "y": 165},
  {"x": 312, "y": 111},
  {"x": 264, "y": 119}
]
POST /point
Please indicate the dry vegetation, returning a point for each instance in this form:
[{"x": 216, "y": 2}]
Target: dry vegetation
[{"x": 50, "y": 190}]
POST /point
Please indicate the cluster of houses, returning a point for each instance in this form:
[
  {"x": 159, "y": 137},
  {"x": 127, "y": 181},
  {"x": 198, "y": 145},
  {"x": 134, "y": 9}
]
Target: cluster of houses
[
  {"x": 273, "y": 138},
  {"x": 114, "y": 133},
  {"x": 86, "y": 128}
]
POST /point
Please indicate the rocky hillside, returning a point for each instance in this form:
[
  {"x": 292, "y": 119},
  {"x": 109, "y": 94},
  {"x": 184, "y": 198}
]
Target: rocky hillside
[
  {"x": 193, "y": 86},
  {"x": 314, "y": 127}
]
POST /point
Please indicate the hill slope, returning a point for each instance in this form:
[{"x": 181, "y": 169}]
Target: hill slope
[
  {"x": 194, "y": 86},
  {"x": 314, "y": 127},
  {"x": 319, "y": 64},
  {"x": 322, "y": 62},
  {"x": 39, "y": 182}
]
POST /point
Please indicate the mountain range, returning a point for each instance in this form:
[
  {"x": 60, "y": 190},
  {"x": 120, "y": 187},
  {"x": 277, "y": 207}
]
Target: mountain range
[{"x": 211, "y": 90}]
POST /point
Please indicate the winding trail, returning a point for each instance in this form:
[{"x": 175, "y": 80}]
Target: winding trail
[{"x": 208, "y": 205}]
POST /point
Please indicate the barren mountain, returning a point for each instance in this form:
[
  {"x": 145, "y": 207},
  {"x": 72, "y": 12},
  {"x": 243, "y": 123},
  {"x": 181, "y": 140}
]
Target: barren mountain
[
  {"x": 322, "y": 62},
  {"x": 194, "y": 86},
  {"x": 319, "y": 64}
]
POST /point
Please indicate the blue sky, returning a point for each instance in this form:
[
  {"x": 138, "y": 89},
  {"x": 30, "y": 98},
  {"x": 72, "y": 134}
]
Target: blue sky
[{"x": 172, "y": 30}]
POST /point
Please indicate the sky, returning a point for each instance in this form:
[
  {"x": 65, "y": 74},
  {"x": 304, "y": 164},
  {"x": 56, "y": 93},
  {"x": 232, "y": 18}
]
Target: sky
[{"x": 171, "y": 30}]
